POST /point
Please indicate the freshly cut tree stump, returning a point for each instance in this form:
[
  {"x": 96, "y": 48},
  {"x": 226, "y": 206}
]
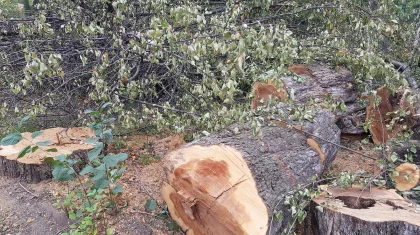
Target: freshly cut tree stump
[
  {"x": 229, "y": 183},
  {"x": 351, "y": 211},
  {"x": 31, "y": 167}
]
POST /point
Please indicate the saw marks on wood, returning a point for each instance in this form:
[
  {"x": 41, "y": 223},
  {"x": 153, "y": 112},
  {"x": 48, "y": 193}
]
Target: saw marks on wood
[
  {"x": 64, "y": 140},
  {"x": 387, "y": 205},
  {"x": 211, "y": 190}
]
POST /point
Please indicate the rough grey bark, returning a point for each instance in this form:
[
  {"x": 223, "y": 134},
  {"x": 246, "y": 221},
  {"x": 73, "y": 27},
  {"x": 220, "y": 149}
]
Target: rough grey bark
[
  {"x": 34, "y": 173},
  {"x": 340, "y": 85},
  {"x": 281, "y": 159},
  {"x": 334, "y": 223}
]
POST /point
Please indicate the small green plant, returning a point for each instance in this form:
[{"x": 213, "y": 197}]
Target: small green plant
[
  {"x": 149, "y": 155},
  {"x": 90, "y": 198},
  {"x": 120, "y": 143}
]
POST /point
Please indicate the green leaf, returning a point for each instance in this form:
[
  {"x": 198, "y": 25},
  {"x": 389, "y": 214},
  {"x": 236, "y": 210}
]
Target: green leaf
[
  {"x": 35, "y": 148},
  {"x": 301, "y": 216},
  {"x": 112, "y": 160},
  {"x": 101, "y": 183},
  {"x": 106, "y": 105},
  {"x": 72, "y": 215},
  {"x": 87, "y": 169},
  {"x": 94, "y": 153},
  {"x": 118, "y": 172},
  {"x": 109, "y": 120},
  {"x": 42, "y": 68},
  {"x": 91, "y": 140},
  {"x": 172, "y": 226},
  {"x": 49, "y": 160},
  {"x": 99, "y": 172},
  {"x": 62, "y": 173},
  {"x": 107, "y": 135},
  {"x": 52, "y": 150},
  {"x": 36, "y": 134},
  {"x": 11, "y": 139},
  {"x": 92, "y": 112},
  {"x": 61, "y": 158},
  {"x": 109, "y": 231},
  {"x": 394, "y": 157},
  {"x": 24, "y": 151},
  {"x": 413, "y": 149},
  {"x": 43, "y": 143},
  {"x": 117, "y": 189},
  {"x": 150, "y": 205},
  {"x": 23, "y": 120}
]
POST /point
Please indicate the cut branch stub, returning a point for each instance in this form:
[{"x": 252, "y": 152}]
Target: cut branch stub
[
  {"x": 406, "y": 176},
  {"x": 31, "y": 167},
  {"x": 263, "y": 92},
  {"x": 212, "y": 191},
  {"x": 372, "y": 211}
]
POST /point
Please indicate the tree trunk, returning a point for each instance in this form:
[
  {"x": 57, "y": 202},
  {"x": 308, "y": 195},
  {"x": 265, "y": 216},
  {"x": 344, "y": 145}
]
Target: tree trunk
[
  {"x": 31, "y": 167},
  {"x": 322, "y": 84},
  {"x": 234, "y": 184},
  {"x": 375, "y": 211}
]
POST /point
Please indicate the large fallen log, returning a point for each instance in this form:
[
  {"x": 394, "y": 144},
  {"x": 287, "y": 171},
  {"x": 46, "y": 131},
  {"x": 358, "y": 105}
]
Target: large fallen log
[
  {"x": 320, "y": 83},
  {"x": 31, "y": 167},
  {"x": 372, "y": 211},
  {"x": 229, "y": 183}
]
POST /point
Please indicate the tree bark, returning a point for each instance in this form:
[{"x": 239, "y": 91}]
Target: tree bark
[
  {"x": 372, "y": 211},
  {"x": 31, "y": 167},
  {"x": 229, "y": 183},
  {"x": 328, "y": 85}
]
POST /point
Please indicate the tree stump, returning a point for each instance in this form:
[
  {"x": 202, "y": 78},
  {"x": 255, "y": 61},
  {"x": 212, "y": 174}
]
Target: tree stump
[
  {"x": 31, "y": 167},
  {"x": 229, "y": 183},
  {"x": 375, "y": 211}
]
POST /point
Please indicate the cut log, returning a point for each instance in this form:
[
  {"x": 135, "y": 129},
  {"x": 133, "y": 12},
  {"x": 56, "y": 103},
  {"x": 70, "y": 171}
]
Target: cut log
[
  {"x": 320, "y": 82},
  {"x": 353, "y": 211},
  {"x": 31, "y": 168},
  {"x": 229, "y": 183}
]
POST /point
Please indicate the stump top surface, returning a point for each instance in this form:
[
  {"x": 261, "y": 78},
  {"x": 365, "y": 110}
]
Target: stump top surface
[
  {"x": 380, "y": 205},
  {"x": 64, "y": 140}
]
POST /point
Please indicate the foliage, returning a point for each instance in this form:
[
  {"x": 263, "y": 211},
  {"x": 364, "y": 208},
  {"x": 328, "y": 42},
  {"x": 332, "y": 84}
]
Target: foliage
[
  {"x": 184, "y": 66},
  {"x": 10, "y": 8},
  {"x": 188, "y": 64}
]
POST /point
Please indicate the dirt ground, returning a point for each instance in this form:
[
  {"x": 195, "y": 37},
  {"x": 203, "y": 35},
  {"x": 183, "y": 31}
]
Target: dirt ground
[{"x": 27, "y": 208}]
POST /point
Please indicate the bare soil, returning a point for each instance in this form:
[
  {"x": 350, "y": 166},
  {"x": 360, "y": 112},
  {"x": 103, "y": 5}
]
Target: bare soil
[{"x": 23, "y": 213}]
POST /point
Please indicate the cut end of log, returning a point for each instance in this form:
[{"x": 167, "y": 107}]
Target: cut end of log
[
  {"x": 31, "y": 167},
  {"x": 406, "y": 176},
  {"x": 263, "y": 92},
  {"x": 211, "y": 190},
  {"x": 300, "y": 69}
]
